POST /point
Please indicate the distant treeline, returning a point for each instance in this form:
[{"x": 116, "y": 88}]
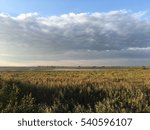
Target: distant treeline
[{"x": 68, "y": 68}]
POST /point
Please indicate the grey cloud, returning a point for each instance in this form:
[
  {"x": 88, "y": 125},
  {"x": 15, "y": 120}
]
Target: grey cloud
[{"x": 71, "y": 36}]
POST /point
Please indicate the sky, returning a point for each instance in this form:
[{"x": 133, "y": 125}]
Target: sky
[{"x": 75, "y": 32}]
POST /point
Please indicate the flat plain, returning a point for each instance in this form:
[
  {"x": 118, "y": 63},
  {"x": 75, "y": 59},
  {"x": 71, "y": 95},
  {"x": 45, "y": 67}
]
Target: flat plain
[{"x": 75, "y": 89}]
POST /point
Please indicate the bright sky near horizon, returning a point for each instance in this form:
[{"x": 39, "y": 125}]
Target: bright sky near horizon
[{"x": 74, "y": 32}]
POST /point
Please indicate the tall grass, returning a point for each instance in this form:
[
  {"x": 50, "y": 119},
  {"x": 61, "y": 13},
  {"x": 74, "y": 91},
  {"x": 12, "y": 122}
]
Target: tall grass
[{"x": 83, "y": 91}]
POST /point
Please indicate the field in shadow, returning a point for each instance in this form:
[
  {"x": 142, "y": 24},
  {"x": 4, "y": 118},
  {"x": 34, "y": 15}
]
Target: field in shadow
[{"x": 18, "y": 96}]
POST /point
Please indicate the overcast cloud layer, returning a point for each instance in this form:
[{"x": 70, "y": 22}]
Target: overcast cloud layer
[{"x": 73, "y": 37}]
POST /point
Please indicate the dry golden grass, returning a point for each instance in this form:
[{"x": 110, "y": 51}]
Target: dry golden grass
[{"x": 76, "y": 91}]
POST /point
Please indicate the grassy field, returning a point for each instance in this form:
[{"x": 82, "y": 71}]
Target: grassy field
[{"x": 119, "y": 90}]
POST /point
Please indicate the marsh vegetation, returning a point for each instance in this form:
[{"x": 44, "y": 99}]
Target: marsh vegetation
[{"x": 76, "y": 91}]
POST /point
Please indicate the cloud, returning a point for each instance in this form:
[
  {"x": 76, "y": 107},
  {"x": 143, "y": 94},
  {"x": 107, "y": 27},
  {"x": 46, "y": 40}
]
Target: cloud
[
  {"x": 84, "y": 36},
  {"x": 139, "y": 49}
]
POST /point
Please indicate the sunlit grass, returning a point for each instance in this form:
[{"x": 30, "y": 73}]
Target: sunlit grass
[{"x": 81, "y": 91}]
